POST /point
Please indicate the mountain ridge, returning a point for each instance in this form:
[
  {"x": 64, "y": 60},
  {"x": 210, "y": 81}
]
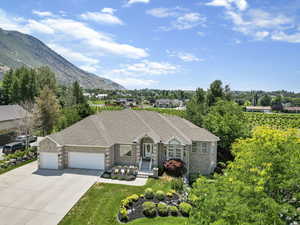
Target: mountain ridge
[{"x": 18, "y": 49}]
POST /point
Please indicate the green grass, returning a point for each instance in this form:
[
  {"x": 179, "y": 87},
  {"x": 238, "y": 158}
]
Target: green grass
[
  {"x": 14, "y": 167},
  {"x": 100, "y": 205}
]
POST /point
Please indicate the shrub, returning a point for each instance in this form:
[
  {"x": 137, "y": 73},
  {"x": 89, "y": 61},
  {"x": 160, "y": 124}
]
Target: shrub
[
  {"x": 173, "y": 210},
  {"x": 149, "y": 194},
  {"x": 163, "y": 209},
  {"x": 177, "y": 184},
  {"x": 160, "y": 195},
  {"x": 149, "y": 209},
  {"x": 185, "y": 208},
  {"x": 106, "y": 175},
  {"x": 125, "y": 203},
  {"x": 174, "y": 167},
  {"x": 115, "y": 177},
  {"x": 133, "y": 197},
  {"x": 169, "y": 194},
  {"x": 193, "y": 177},
  {"x": 123, "y": 214},
  {"x": 130, "y": 178}
]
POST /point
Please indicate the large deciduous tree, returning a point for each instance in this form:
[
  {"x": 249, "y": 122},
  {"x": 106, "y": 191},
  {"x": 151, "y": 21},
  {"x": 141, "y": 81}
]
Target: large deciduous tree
[
  {"x": 261, "y": 186},
  {"x": 47, "y": 111},
  {"x": 227, "y": 121}
]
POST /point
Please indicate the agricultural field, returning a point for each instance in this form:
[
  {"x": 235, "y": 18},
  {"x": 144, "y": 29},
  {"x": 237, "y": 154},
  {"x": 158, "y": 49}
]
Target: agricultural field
[{"x": 274, "y": 120}]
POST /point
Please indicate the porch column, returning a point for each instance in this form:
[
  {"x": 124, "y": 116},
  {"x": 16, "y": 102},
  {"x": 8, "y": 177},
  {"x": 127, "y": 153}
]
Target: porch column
[
  {"x": 155, "y": 155},
  {"x": 138, "y": 153}
]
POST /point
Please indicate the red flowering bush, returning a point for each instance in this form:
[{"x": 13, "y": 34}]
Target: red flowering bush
[{"x": 175, "y": 167}]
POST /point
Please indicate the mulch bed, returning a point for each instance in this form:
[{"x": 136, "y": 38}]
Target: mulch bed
[{"x": 136, "y": 210}]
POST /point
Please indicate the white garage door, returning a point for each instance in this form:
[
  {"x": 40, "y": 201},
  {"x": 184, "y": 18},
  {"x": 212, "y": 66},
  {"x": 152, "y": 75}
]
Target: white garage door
[
  {"x": 86, "y": 160},
  {"x": 48, "y": 160}
]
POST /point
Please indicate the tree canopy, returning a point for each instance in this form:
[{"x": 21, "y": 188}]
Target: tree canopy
[{"x": 261, "y": 186}]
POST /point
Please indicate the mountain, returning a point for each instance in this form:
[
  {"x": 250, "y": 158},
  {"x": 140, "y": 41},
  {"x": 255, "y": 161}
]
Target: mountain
[{"x": 18, "y": 49}]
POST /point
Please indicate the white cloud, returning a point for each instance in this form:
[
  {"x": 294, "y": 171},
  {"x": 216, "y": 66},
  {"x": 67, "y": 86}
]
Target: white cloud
[
  {"x": 35, "y": 26},
  {"x": 106, "y": 16},
  {"x": 130, "y": 2},
  {"x": 184, "y": 19},
  {"x": 184, "y": 56},
  {"x": 108, "y": 10},
  {"x": 134, "y": 82},
  {"x": 89, "y": 68},
  {"x": 258, "y": 23},
  {"x": 291, "y": 38},
  {"x": 42, "y": 13},
  {"x": 146, "y": 67},
  {"x": 71, "y": 30},
  {"x": 72, "y": 55},
  {"x": 239, "y": 4},
  {"x": 188, "y": 21},
  {"x": 165, "y": 12}
]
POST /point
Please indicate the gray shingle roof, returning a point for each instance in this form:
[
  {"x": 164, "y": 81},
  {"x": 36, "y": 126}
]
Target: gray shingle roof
[
  {"x": 127, "y": 126},
  {"x": 11, "y": 112}
]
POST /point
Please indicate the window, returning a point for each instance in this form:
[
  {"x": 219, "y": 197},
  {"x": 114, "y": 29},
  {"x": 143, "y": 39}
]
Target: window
[
  {"x": 194, "y": 147},
  {"x": 204, "y": 147},
  {"x": 125, "y": 150},
  {"x": 175, "y": 150}
]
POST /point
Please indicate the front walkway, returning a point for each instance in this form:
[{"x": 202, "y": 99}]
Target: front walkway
[{"x": 137, "y": 182}]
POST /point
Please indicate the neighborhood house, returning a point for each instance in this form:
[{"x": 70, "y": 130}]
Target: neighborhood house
[
  {"x": 129, "y": 137},
  {"x": 11, "y": 117}
]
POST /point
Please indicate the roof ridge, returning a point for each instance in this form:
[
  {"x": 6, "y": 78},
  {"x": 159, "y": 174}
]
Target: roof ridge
[
  {"x": 175, "y": 128},
  {"x": 146, "y": 124}
]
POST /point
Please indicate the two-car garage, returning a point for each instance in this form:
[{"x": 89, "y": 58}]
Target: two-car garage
[
  {"x": 82, "y": 160},
  {"x": 78, "y": 160}
]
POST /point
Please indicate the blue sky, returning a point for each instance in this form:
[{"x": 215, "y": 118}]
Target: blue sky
[{"x": 170, "y": 44}]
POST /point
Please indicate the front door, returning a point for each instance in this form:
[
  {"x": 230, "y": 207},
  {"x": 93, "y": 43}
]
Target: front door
[{"x": 147, "y": 150}]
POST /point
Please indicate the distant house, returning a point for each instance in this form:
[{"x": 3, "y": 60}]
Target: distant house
[
  {"x": 263, "y": 109},
  {"x": 126, "y": 102},
  {"x": 10, "y": 121},
  {"x": 101, "y": 96},
  {"x": 168, "y": 103},
  {"x": 291, "y": 109},
  {"x": 129, "y": 137}
]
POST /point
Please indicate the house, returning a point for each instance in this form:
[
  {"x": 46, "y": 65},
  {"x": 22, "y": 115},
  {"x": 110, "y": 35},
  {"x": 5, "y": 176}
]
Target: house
[
  {"x": 168, "y": 103},
  {"x": 263, "y": 109},
  {"x": 10, "y": 121},
  {"x": 126, "y": 102},
  {"x": 291, "y": 109},
  {"x": 130, "y": 137}
]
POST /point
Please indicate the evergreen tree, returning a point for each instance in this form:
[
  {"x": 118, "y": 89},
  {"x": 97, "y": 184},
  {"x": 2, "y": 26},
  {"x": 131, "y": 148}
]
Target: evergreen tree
[{"x": 7, "y": 86}]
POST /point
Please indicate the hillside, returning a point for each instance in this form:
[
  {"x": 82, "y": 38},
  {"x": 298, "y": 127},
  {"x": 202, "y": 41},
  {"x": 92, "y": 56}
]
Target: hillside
[{"x": 18, "y": 49}]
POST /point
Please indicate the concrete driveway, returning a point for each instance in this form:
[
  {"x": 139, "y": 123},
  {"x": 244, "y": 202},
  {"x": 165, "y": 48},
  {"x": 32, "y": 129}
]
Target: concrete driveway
[{"x": 41, "y": 197}]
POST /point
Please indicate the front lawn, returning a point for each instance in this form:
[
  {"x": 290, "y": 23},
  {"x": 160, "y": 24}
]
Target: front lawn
[{"x": 100, "y": 205}]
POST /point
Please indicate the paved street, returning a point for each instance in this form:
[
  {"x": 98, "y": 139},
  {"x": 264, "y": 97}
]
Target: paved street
[{"x": 41, "y": 197}]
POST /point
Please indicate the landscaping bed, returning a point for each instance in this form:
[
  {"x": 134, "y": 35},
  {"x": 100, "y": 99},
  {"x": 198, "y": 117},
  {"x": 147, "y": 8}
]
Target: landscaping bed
[
  {"x": 17, "y": 159},
  {"x": 127, "y": 173},
  {"x": 152, "y": 204}
]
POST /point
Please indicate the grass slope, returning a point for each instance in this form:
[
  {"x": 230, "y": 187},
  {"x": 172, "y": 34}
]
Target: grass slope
[{"x": 100, "y": 205}]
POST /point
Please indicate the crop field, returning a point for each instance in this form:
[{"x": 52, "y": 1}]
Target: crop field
[{"x": 274, "y": 120}]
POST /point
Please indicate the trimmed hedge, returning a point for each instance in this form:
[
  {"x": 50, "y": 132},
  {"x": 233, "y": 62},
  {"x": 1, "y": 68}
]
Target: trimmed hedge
[
  {"x": 163, "y": 209},
  {"x": 185, "y": 208},
  {"x": 173, "y": 210},
  {"x": 149, "y": 193},
  {"x": 160, "y": 195},
  {"x": 149, "y": 209}
]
